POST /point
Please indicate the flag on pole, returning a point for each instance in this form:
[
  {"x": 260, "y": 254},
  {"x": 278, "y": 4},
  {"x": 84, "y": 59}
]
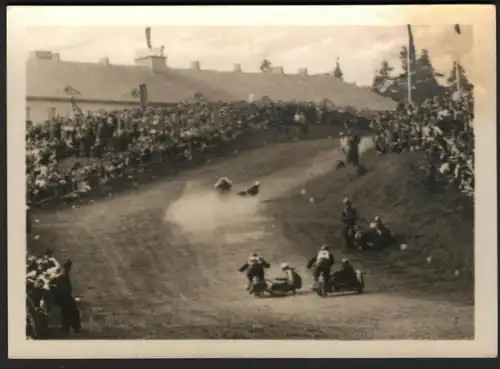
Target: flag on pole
[
  {"x": 148, "y": 37},
  {"x": 70, "y": 90}
]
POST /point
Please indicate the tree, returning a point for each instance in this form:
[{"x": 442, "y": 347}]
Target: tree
[
  {"x": 337, "y": 73},
  {"x": 403, "y": 57},
  {"x": 383, "y": 80},
  {"x": 424, "y": 79},
  {"x": 464, "y": 81},
  {"x": 398, "y": 88},
  {"x": 265, "y": 66}
]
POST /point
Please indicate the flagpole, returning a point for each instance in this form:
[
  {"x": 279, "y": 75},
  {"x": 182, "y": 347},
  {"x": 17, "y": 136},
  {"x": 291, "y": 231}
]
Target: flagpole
[
  {"x": 408, "y": 63},
  {"x": 457, "y": 58},
  {"x": 457, "y": 64},
  {"x": 457, "y": 75},
  {"x": 409, "y": 56}
]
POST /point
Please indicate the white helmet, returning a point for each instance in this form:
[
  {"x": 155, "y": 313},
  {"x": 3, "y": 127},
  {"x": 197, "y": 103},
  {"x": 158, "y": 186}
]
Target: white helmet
[
  {"x": 257, "y": 183},
  {"x": 346, "y": 201},
  {"x": 377, "y": 219},
  {"x": 284, "y": 266}
]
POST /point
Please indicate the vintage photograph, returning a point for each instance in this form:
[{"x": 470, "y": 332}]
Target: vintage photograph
[{"x": 250, "y": 182}]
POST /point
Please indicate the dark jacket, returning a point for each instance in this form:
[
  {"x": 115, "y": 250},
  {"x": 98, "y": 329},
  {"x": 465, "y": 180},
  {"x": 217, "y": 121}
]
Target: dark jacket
[
  {"x": 329, "y": 262},
  {"x": 261, "y": 265},
  {"x": 349, "y": 216}
]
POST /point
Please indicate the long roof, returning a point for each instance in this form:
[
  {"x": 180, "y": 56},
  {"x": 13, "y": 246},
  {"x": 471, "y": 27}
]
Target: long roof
[{"x": 115, "y": 83}]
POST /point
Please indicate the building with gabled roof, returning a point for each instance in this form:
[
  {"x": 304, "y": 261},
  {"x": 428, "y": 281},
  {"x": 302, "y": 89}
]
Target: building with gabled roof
[{"x": 51, "y": 82}]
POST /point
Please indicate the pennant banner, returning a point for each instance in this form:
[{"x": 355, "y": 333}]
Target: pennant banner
[
  {"x": 411, "y": 48},
  {"x": 148, "y": 37}
]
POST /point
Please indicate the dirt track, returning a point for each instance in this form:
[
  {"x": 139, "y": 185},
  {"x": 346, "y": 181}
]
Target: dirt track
[{"x": 164, "y": 264}]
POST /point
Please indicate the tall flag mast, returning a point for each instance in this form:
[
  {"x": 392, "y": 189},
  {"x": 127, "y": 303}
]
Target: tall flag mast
[
  {"x": 458, "y": 32},
  {"x": 410, "y": 61}
]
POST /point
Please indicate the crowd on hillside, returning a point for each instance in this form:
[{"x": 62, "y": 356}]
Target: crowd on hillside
[
  {"x": 129, "y": 138},
  {"x": 441, "y": 126}
]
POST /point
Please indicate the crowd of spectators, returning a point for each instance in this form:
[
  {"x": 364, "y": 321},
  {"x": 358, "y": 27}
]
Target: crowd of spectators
[
  {"x": 106, "y": 145},
  {"x": 110, "y": 145},
  {"x": 441, "y": 126}
]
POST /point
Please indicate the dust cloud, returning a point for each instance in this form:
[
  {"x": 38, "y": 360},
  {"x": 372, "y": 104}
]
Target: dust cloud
[{"x": 201, "y": 215}]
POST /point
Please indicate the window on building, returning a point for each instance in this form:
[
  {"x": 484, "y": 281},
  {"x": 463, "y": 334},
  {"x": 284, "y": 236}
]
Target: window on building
[
  {"x": 28, "y": 113},
  {"x": 52, "y": 113}
]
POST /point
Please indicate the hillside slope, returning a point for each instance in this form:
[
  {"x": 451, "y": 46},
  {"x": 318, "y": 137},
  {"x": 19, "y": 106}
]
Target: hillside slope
[{"x": 439, "y": 225}]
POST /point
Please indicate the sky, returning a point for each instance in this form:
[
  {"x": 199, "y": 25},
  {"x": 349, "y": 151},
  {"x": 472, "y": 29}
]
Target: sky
[{"x": 360, "y": 49}]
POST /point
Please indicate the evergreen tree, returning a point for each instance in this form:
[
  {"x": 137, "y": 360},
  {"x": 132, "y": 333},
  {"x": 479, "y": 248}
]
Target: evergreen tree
[
  {"x": 383, "y": 80},
  {"x": 464, "y": 81},
  {"x": 403, "y": 57},
  {"x": 424, "y": 79},
  {"x": 398, "y": 88},
  {"x": 337, "y": 73}
]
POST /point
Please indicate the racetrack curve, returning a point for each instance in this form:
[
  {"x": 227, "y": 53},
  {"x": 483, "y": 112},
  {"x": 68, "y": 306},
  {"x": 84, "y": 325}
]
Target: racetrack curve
[{"x": 164, "y": 263}]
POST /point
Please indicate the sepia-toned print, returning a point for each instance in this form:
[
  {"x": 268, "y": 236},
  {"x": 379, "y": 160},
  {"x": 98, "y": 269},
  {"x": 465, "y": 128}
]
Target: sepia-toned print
[{"x": 251, "y": 182}]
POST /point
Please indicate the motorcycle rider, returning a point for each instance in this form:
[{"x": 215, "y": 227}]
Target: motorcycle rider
[
  {"x": 252, "y": 190},
  {"x": 347, "y": 274},
  {"x": 349, "y": 218},
  {"x": 223, "y": 185},
  {"x": 292, "y": 279},
  {"x": 254, "y": 267},
  {"x": 359, "y": 237},
  {"x": 323, "y": 262},
  {"x": 384, "y": 234}
]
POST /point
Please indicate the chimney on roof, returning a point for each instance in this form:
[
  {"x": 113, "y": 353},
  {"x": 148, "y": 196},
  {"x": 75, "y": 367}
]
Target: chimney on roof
[
  {"x": 303, "y": 72},
  {"x": 195, "y": 65},
  {"x": 154, "y": 59},
  {"x": 237, "y": 67},
  {"x": 45, "y": 55},
  {"x": 104, "y": 61},
  {"x": 278, "y": 70}
]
